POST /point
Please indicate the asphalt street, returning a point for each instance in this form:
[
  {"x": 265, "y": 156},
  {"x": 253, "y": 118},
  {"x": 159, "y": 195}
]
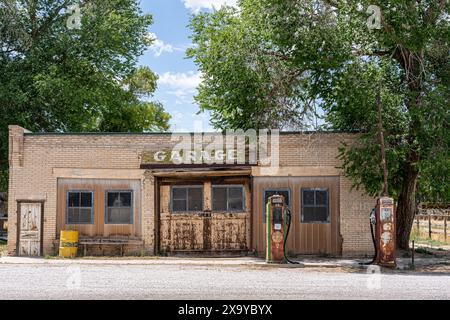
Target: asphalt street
[{"x": 86, "y": 281}]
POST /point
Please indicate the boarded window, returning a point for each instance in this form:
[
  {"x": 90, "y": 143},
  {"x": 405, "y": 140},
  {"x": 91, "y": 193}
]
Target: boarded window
[
  {"x": 315, "y": 206},
  {"x": 80, "y": 209},
  {"x": 119, "y": 207},
  {"x": 271, "y": 192},
  {"x": 185, "y": 199},
  {"x": 228, "y": 198}
]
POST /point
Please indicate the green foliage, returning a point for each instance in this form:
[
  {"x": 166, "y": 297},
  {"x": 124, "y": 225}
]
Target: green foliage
[
  {"x": 55, "y": 78},
  {"x": 285, "y": 63}
]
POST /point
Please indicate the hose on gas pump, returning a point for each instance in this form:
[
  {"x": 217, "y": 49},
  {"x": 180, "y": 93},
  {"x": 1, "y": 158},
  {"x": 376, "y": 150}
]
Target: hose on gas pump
[
  {"x": 288, "y": 226},
  {"x": 372, "y": 232}
]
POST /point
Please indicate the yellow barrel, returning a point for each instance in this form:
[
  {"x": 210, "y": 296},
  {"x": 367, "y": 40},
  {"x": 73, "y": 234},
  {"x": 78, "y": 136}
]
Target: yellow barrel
[{"x": 68, "y": 244}]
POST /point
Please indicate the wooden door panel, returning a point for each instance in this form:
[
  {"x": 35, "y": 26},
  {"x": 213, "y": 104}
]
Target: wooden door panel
[{"x": 30, "y": 229}]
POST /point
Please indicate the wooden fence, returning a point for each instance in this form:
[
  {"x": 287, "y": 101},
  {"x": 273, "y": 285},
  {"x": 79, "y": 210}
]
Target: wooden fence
[{"x": 433, "y": 224}]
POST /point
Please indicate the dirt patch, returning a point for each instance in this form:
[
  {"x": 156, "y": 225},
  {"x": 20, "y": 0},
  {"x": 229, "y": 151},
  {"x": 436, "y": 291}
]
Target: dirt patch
[{"x": 3, "y": 248}]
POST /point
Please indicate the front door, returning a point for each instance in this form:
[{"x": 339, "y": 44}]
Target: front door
[{"x": 30, "y": 229}]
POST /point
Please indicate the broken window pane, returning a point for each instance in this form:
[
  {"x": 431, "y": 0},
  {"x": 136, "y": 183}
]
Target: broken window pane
[{"x": 119, "y": 207}]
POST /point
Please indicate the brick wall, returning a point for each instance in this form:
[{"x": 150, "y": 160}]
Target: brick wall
[{"x": 33, "y": 159}]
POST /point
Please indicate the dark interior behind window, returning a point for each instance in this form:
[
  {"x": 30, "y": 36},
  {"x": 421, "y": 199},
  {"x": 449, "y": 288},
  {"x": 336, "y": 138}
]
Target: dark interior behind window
[
  {"x": 79, "y": 207},
  {"x": 227, "y": 198},
  {"x": 187, "y": 199},
  {"x": 315, "y": 206}
]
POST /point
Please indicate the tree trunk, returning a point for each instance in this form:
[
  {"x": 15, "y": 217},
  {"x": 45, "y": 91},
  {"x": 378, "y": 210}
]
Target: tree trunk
[{"x": 407, "y": 207}]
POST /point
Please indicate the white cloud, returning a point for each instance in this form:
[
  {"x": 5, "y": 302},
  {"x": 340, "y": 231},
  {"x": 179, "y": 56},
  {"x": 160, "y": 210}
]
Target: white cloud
[
  {"x": 158, "y": 46},
  {"x": 197, "y": 5},
  {"x": 180, "y": 82}
]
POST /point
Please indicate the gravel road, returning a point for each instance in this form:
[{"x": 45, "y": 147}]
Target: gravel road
[{"x": 59, "y": 281}]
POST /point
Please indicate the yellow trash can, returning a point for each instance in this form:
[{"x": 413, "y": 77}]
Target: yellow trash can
[{"x": 68, "y": 244}]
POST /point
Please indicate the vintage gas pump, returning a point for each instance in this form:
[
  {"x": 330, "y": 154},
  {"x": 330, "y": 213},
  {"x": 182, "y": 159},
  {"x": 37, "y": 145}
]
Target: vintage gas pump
[
  {"x": 278, "y": 223},
  {"x": 275, "y": 209},
  {"x": 385, "y": 232}
]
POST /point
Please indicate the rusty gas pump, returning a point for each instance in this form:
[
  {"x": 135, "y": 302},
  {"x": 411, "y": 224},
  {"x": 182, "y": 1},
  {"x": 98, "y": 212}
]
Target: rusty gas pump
[
  {"x": 385, "y": 225},
  {"x": 275, "y": 233}
]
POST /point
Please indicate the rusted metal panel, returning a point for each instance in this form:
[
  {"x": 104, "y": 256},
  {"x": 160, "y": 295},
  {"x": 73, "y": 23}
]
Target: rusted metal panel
[
  {"x": 99, "y": 187},
  {"x": 30, "y": 229},
  {"x": 204, "y": 231},
  {"x": 304, "y": 238}
]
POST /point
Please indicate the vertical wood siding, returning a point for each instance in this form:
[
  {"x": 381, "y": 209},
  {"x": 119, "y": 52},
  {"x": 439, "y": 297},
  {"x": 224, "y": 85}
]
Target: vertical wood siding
[
  {"x": 304, "y": 238},
  {"x": 99, "y": 187}
]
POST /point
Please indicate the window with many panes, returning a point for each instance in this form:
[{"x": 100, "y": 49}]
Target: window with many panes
[
  {"x": 271, "y": 192},
  {"x": 187, "y": 199},
  {"x": 315, "y": 206},
  {"x": 119, "y": 207},
  {"x": 80, "y": 207},
  {"x": 227, "y": 198}
]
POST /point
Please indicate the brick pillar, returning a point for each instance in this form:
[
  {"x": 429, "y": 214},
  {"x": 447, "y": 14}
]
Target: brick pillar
[{"x": 15, "y": 158}]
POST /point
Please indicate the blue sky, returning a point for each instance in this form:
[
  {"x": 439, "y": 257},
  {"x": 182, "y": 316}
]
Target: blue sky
[{"x": 178, "y": 76}]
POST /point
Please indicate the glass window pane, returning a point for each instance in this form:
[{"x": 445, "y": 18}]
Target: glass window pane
[
  {"x": 321, "y": 197},
  {"x": 321, "y": 214},
  {"x": 72, "y": 215},
  {"x": 308, "y": 197},
  {"x": 179, "y": 193},
  {"x": 74, "y": 199},
  {"x": 85, "y": 216},
  {"x": 119, "y": 215},
  {"x": 235, "y": 205},
  {"x": 86, "y": 199},
  {"x": 79, "y": 216},
  {"x": 219, "y": 199},
  {"x": 235, "y": 192},
  {"x": 195, "y": 199},
  {"x": 308, "y": 214},
  {"x": 113, "y": 199},
  {"x": 315, "y": 214},
  {"x": 179, "y": 205},
  {"x": 125, "y": 198}
]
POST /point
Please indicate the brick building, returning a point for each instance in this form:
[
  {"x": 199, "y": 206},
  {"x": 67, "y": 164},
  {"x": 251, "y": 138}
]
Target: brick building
[{"x": 108, "y": 187}]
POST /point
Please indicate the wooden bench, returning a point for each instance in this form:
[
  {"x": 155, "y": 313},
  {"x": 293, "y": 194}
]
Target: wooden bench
[{"x": 121, "y": 242}]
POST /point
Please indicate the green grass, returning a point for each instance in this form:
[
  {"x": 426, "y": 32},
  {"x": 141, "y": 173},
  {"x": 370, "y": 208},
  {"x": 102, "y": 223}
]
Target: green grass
[{"x": 425, "y": 240}]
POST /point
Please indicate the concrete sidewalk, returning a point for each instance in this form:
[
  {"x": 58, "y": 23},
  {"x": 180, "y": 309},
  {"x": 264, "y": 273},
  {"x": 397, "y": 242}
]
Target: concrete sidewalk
[{"x": 306, "y": 262}]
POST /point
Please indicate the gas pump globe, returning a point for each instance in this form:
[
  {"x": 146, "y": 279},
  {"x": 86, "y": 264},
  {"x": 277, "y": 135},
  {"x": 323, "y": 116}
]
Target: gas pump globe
[{"x": 275, "y": 224}]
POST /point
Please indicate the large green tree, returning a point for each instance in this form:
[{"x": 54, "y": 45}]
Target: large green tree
[
  {"x": 284, "y": 64},
  {"x": 68, "y": 65}
]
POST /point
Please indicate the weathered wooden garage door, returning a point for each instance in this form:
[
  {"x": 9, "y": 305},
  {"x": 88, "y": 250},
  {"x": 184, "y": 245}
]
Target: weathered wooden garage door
[
  {"x": 206, "y": 231},
  {"x": 30, "y": 229}
]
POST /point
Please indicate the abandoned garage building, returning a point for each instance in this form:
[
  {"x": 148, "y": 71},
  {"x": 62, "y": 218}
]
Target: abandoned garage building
[{"x": 111, "y": 190}]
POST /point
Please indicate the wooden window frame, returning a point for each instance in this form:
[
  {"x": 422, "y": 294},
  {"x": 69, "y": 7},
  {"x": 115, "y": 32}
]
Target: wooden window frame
[
  {"x": 92, "y": 207},
  {"x": 327, "y": 205},
  {"x": 108, "y": 207},
  {"x": 228, "y": 186},
  {"x": 187, "y": 187}
]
